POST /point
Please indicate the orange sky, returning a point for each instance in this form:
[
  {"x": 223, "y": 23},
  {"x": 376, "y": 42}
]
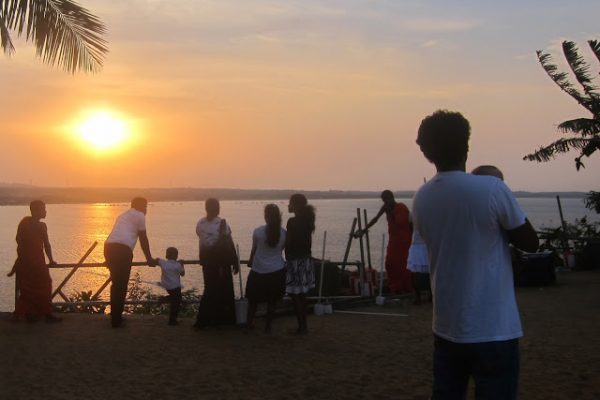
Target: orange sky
[{"x": 303, "y": 95}]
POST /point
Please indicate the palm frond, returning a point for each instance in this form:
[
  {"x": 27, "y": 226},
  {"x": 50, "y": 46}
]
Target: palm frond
[
  {"x": 591, "y": 147},
  {"x": 561, "y": 79},
  {"x": 583, "y": 126},
  {"x": 595, "y": 46},
  {"x": 547, "y": 153},
  {"x": 5, "y": 40},
  {"x": 64, "y": 33},
  {"x": 580, "y": 68}
]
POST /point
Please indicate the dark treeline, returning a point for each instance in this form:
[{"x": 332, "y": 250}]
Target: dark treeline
[{"x": 22, "y": 194}]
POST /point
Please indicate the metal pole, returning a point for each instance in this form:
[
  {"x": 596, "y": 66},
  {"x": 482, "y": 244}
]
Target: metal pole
[
  {"x": 322, "y": 266},
  {"x": 237, "y": 250},
  {"x": 381, "y": 268}
]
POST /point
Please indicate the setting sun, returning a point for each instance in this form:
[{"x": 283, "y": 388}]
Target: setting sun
[{"x": 103, "y": 130}]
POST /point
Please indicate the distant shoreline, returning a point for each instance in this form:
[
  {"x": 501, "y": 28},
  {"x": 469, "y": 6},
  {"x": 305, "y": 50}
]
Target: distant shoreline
[{"x": 22, "y": 195}]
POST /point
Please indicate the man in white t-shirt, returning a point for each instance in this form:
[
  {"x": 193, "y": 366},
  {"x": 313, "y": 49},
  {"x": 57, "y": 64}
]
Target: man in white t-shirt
[
  {"x": 467, "y": 222},
  {"x": 118, "y": 252}
]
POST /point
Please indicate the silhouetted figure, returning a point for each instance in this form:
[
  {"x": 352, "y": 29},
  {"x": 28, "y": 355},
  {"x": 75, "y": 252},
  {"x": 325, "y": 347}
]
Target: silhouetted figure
[
  {"x": 467, "y": 222},
  {"x": 266, "y": 281},
  {"x": 400, "y": 233},
  {"x": 218, "y": 259},
  {"x": 489, "y": 170},
  {"x": 118, "y": 252},
  {"x": 33, "y": 277},
  {"x": 300, "y": 274},
  {"x": 170, "y": 279}
]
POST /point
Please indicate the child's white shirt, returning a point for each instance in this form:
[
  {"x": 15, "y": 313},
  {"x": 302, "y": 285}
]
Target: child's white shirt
[{"x": 170, "y": 273}]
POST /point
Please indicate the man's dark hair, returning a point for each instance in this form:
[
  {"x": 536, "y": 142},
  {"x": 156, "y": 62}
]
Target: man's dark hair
[
  {"x": 444, "y": 138},
  {"x": 36, "y": 205},
  {"x": 138, "y": 203}
]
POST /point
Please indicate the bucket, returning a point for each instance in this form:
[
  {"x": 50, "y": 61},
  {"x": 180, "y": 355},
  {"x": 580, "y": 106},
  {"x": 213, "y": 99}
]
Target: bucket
[
  {"x": 570, "y": 259},
  {"x": 319, "y": 309},
  {"x": 380, "y": 300},
  {"x": 241, "y": 311},
  {"x": 328, "y": 308}
]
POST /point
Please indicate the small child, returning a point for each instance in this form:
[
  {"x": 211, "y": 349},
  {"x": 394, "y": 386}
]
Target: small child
[
  {"x": 489, "y": 170},
  {"x": 171, "y": 270}
]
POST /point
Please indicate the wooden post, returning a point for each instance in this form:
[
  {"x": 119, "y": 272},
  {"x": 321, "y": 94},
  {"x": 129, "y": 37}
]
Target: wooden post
[
  {"x": 70, "y": 274},
  {"x": 361, "y": 269},
  {"x": 104, "y": 285},
  {"x": 350, "y": 238},
  {"x": 362, "y": 250},
  {"x": 368, "y": 242},
  {"x": 565, "y": 239}
]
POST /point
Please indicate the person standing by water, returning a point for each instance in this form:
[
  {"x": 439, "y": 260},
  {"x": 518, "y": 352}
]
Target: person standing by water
[
  {"x": 218, "y": 258},
  {"x": 266, "y": 281},
  {"x": 300, "y": 274},
  {"x": 33, "y": 277},
  {"x": 467, "y": 223},
  {"x": 118, "y": 253},
  {"x": 400, "y": 233}
]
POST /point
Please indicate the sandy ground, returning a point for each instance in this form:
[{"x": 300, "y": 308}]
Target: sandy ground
[{"x": 344, "y": 357}]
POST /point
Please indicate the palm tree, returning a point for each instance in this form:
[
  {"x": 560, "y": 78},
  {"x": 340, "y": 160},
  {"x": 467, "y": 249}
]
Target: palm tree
[
  {"x": 64, "y": 33},
  {"x": 586, "y": 130}
]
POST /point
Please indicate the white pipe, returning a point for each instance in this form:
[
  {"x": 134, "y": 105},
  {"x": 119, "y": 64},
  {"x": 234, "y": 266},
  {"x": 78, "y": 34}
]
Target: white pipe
[
  {"x": 370, "y": 313},
  {"x": 322, "y": 266},
  {"x": 381, "y": 267}
]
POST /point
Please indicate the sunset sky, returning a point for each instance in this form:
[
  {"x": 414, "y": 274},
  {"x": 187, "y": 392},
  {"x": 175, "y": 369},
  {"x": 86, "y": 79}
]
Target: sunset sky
[{"x": 297, "y": 94}]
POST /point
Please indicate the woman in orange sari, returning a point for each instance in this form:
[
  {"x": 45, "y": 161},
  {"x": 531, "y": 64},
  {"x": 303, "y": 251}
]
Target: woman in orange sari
[
  {"x": 33, "y": 277},
  {"x": 400, "y": 235}
]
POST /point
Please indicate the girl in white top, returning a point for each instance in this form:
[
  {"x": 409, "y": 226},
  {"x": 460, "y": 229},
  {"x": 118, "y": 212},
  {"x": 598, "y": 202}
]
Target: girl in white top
[
  {"x": 418, "y": 265},
  {"x": 266, "y": 281}
]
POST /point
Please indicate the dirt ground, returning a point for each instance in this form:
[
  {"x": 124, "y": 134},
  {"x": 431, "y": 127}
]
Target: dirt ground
[{"x": 345, "y": 356}]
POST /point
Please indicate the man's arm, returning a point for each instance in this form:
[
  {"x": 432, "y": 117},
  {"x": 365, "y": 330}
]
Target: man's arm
[
  {"x": 146, "y": 248},
  {"x": 524, "y": 237},
  {"x": 47, "y": 247},
  {"x": 371, "y": 223}
]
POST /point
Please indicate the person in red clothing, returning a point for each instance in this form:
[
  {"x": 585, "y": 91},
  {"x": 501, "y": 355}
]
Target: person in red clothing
[
  {"x": 33, "y": 277},
  {"x": 400, "y": 232}
]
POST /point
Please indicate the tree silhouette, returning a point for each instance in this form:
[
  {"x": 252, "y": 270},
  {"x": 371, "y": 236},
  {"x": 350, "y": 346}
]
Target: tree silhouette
[
  {"x": 64, "y": 33},
  {"x": 586, "y": 131}
]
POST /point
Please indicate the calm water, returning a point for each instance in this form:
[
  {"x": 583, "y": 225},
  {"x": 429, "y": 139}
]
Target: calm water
[{"x": 73, "y": 228}]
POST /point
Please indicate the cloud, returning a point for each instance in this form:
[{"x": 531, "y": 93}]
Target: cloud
[
  {"x": 430, "y": 43},
  {"x": 446, "y": 25}
]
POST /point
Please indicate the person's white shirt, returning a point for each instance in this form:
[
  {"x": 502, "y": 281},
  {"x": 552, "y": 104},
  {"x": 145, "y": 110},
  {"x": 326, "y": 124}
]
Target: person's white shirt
[
  {"x": 127, "y": 227},
  {"x": 208, "y": 231},
  {"x": 463, "y": 220},
  {"x": 267, "y": 259},
  {"x": 170, "y": 273}
]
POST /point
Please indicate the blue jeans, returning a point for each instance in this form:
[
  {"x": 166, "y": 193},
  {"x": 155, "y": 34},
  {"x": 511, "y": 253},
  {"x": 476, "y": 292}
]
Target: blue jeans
[{"x": 494, "y": 367}]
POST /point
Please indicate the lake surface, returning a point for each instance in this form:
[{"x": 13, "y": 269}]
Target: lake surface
[{"x": 74, "y": 227}]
